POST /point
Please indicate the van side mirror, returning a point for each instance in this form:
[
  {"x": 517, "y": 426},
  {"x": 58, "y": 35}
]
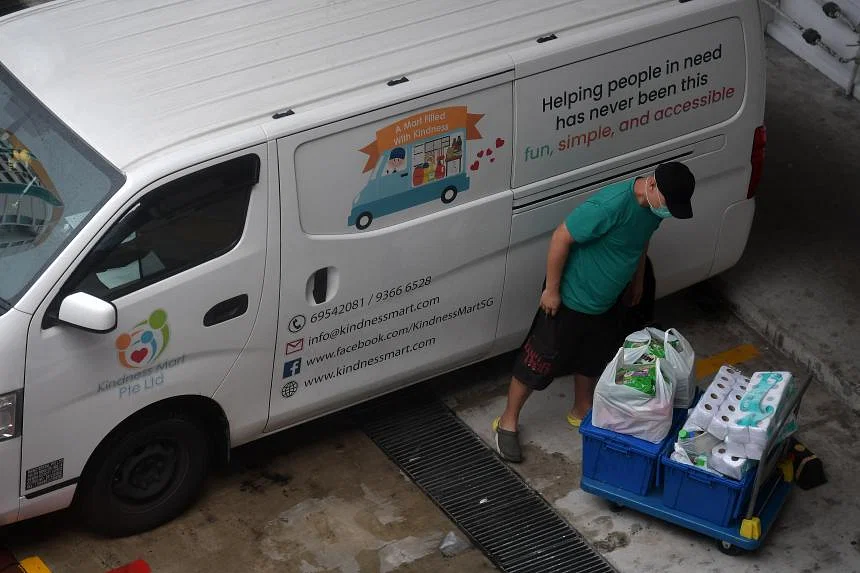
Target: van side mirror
[{"x": 87, "y": 312}]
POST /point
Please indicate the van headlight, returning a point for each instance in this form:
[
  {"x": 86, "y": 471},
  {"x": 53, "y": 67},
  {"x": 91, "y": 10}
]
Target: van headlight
[{"x": 11, "y": 406}]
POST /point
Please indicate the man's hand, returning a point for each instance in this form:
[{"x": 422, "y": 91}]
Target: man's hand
[
  {"x": 637, "y": 287},
  {"x": 550, "y": 301}
]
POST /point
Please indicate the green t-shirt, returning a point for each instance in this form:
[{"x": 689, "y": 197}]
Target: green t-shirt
[{"x": 610, "y": 231}]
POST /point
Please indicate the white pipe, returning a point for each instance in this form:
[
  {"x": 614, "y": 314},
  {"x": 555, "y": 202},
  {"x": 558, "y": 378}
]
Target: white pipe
[{"x": 775, "y": 7}]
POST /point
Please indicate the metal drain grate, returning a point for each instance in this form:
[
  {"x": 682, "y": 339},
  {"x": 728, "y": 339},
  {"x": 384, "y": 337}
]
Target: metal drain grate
[{"x": 511, "y": 523}]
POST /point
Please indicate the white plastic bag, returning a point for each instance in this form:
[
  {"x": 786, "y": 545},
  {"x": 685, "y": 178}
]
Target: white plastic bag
[
  {"x": 677, "y": 366},
  {"x": 626, "y": 410}
]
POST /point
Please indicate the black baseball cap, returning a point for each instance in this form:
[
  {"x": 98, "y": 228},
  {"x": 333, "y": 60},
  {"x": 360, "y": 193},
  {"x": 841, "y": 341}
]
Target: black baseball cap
[{"x": 676, "y": 183}]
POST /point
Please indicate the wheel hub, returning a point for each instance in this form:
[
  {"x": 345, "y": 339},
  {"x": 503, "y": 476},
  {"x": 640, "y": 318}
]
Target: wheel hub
[{"x": 146, "y": 473}]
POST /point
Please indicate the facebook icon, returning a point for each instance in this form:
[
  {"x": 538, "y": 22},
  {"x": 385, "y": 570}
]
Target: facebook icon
[{"x": 292, "y": 367}]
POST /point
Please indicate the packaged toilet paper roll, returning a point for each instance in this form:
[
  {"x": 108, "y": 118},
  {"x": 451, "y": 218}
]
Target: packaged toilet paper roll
[
  {"x": 730, "y": 466},
  {"x": 762, "y": 401},
  {"x": 754, "y": 451},
  {"x": 734, "y": 431},
  {"x": 734, "y": 397},
  {"x": 730, "y": 376},
  {"x": 704, "y": 412},
  {"x": 723, "y": 386},
  {"x": 718, "y": 390},
  {"x": 772, "y": 378},
  {"x": 749, "y": 451},
  {"x": 735, "y": 449},
  {"x": 719, "y": 427},
  {"x": 760, "y": 435},
  {"x": 729, "y": 408}
]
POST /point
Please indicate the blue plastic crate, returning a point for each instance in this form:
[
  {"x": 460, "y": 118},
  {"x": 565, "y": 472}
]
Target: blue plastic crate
[
  {"x": 711, "y": 497},
  {"x": 623, "y": 461}
]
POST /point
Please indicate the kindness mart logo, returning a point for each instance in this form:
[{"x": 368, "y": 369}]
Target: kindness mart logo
[{"x": 145, "y": 342}]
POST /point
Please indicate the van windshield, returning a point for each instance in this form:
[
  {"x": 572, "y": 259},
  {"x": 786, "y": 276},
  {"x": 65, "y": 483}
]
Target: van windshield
[{"x": 50, "y": 181}]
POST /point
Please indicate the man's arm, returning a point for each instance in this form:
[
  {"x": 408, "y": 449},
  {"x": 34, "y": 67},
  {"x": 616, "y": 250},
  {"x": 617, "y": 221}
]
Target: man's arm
[
  {"x": 638, "y": 281},
  {"x": 559, "y": 247}
]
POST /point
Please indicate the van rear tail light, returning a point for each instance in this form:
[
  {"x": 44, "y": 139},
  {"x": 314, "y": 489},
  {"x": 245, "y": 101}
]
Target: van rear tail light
[{"x": 757, "y": 159}]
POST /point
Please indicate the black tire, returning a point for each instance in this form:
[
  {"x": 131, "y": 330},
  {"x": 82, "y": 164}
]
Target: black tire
[
  {"x": 144, "y": 475},
  {"x": 449, "y": 194},
  {"x": 363, "y": 221},
  {"x": 728, "y": 548}
]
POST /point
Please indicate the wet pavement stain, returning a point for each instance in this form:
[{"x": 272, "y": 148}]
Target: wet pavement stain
[
  {"x": 613, "y": 541},
  {"x": 554, "y": 474}
]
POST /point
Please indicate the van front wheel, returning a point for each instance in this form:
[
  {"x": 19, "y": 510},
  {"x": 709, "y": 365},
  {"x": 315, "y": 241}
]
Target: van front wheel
[
  {"x": 363, "y": 221},
  {"x": 144, "y": 475},
  {"x": 449, "y": 194}
]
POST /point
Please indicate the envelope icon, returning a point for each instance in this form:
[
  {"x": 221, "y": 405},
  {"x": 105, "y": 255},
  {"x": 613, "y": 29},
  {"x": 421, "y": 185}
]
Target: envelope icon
[{"x": 295, "y": 346}]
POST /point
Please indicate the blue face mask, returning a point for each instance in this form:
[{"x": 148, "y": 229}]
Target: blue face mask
[{"x": 662, "y": 212}]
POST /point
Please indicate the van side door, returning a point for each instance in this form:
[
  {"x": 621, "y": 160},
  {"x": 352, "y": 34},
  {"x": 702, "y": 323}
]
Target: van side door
[{"x": 382, "y": 288}]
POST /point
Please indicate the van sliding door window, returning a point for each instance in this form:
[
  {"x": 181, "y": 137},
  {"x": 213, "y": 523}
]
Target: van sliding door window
[{"x": 181, "y": 225}]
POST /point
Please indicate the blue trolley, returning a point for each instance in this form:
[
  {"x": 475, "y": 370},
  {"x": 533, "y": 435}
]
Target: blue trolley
[{"x": 738, "y": 514}]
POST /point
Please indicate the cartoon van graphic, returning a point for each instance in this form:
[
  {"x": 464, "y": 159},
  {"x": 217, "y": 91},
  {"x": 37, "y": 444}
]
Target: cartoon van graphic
[
  {"x": 419, "y": 159},
  {"x": 29, "y": 204}
]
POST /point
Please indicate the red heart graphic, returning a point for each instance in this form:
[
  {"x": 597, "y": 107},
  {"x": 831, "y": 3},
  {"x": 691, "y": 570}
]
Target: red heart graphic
[
  {"x": 475, "y": 165},
  {"x": 499, "y": 142},
  {"x": 139, "y": 354},
  {"x": 489, "y": 152},
  {"x": 481, "y": 153},
  {"x": 492, "y": 159}
]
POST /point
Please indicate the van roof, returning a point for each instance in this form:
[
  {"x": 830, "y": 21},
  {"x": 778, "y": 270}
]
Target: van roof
[{"x": 134, "y": 79}]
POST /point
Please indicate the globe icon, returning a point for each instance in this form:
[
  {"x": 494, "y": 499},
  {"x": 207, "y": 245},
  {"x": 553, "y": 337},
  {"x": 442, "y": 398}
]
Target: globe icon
[{"x": 289, "y": 389}]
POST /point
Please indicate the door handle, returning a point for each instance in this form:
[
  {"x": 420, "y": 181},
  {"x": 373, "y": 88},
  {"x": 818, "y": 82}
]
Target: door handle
[
  {"x": 226, "y": 310},
  {"x": 320, "y": 285}
]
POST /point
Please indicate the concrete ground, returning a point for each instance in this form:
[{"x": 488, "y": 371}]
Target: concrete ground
[
  {"x": 322, "y": 498},
  {"x": 818, "y": 529},
  {"x": 797, "y": 281}
]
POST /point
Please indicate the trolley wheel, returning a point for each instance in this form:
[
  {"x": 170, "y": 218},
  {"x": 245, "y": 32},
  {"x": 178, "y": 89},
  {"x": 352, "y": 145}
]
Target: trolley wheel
[
  {"x": 615, "y": 507},
  {"x": 363, "y": 221},
  {"x": 449, "y": 194},
  {"x": 728, "y": 548}
]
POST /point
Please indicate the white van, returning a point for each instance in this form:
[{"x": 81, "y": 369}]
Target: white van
[{"x": 222, "y": 219}]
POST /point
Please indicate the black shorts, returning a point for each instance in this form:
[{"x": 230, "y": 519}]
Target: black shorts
[{"x": 569, "y": 342}]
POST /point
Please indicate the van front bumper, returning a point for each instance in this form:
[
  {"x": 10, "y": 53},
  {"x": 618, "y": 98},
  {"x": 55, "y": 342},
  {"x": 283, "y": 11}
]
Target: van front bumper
[{"x": 10, "y": 480}]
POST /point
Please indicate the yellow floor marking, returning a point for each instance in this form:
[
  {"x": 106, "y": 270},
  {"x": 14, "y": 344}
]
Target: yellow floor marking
[
  {"x": 34, "y": 565},
  {"x": 710, "y": 364}
]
